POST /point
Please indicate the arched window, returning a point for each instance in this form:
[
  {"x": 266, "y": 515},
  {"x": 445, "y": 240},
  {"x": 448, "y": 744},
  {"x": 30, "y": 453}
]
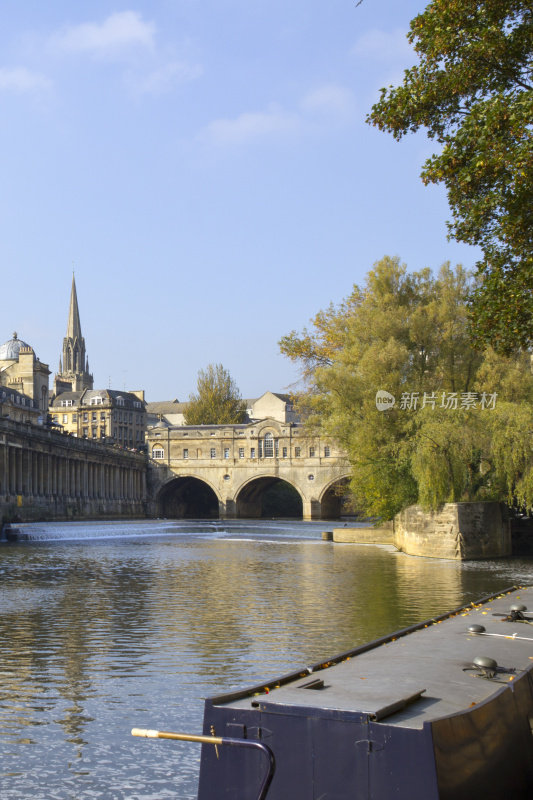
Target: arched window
[
  {"x": 158, "y": 452},
  {"x": 268, "y": 445}
]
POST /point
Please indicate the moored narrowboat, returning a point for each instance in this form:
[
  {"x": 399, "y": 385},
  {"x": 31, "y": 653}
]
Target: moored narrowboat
[{"x": 439, "y": 711}]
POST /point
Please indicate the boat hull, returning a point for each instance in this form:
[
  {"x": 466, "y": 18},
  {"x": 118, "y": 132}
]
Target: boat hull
[{"x": 337, "y": 733}]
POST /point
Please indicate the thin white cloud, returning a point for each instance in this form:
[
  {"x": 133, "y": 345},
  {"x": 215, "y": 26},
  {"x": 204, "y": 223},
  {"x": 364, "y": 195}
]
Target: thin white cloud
[
  {"x": 251, "y": 126},
  {"x": 380, "y": 44},
  {"x": 164, "y": 79},
  {"x": 326, "y": 105},
  {"x": 330, "y": 100},
  {"x": 119, "y": 32},
  {"x": 20, "y": 80}
]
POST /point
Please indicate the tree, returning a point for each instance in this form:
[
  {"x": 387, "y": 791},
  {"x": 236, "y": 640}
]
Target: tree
[
  {"x": 217, "y": 401},
  {"x": 472, "y": 92},
  {"x": 443, "y": 439}
]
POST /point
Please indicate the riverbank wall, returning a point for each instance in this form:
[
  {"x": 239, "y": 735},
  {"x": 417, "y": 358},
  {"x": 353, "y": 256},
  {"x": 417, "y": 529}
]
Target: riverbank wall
[{"x": 458, "y": 531}]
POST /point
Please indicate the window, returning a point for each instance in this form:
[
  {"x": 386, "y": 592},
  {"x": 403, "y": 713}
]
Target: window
[
  {"x": 94, "y": 432},
  {"x": 96, "y": 401},
  {"x": 241, "y": 452},
  {"x": 327, "y": 451},
  {"x": 102, "y": 415},
  {"x": 311, "y": 452},
  {"x": 226, "y": 452},
  {"x": 120, "y": 401},
  {"x": 185, "y": 453},
  {"x": 213, "y": 453},
  {"x": 136, "y": 404},
  {"x": 65, "y": 419},
  {"x": 297, "y": 452},
  {"x": 93, "y": 416},
  {"x": 85, "y": 416},
  {"x": 158, "y": 452},
  {"x": 252, "y": 452},
  {"x": 284, "y": 452},
  {"x": 269, "y": 445},
  {"x": 74, "y": 418},
  {"x": 66, "y": 402}
]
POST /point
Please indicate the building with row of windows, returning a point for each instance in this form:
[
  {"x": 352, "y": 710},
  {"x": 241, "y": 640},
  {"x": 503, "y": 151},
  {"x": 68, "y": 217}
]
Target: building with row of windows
[
  {"x": 265, "y": 440},
  {"x": 19, "y": 407},
  {"x": 105, "y": 414}
]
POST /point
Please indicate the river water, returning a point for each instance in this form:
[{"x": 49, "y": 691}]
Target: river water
[{"x": 109, "y": 626}]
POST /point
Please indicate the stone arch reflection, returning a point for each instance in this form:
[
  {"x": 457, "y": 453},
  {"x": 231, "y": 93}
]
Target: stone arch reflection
[{"x": 188, "y": 498}]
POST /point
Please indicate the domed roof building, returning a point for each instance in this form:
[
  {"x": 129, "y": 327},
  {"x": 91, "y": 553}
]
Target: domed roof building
[
  {"x": 10, "y": 350},
  {"x": 23, "y": 373}
]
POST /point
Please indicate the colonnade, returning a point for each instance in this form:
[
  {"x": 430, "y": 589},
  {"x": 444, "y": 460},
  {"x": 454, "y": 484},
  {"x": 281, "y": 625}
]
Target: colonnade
[{"x": 40, "y": 466}]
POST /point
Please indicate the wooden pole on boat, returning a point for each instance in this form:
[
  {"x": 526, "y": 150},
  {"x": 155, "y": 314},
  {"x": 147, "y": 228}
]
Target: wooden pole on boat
[{"x": 180, "y": 737}]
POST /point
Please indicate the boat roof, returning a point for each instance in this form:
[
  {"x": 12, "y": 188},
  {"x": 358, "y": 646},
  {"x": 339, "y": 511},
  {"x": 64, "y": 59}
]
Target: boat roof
[{"x": 413, "y": 676}]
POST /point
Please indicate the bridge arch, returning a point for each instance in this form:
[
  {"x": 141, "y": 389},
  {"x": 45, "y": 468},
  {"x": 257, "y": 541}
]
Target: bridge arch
[
  {"x": 188, "y": 497},
  {"x": 268, "y": 496},
  {"x": 332, "y": 497}
]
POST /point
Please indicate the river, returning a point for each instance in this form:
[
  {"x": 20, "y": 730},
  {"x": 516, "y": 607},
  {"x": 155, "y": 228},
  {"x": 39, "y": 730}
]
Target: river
[{"x": 109, "y": 626}]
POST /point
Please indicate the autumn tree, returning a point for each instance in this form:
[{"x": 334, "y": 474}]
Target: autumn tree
[
  {"x": 443, "y": 438},
  {"x": 471, "y": 90},
  {"x": 217, "y": 400}
]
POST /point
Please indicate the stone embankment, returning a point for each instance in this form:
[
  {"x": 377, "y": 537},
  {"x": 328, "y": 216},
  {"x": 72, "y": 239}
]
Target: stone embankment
[{"x": 459, "y": 531}]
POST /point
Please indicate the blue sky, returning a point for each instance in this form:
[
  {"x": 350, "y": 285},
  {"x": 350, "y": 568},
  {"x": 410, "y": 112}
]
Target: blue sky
[{"x": 205, "y": 168}]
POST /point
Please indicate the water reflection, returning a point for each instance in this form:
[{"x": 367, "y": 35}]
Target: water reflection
[{"x": 102, "y": 633}]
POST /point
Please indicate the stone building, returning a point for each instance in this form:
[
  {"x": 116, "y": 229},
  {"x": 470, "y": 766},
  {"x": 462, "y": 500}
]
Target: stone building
[
  {"x": 22, "y": 374},
  {"x": 106, "y": 414},
  {"x": 271, "y": 404},
  {"x": 19, "y": 407}
]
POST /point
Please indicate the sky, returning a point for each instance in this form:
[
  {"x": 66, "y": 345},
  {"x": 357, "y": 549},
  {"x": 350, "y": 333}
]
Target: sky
[{"x": 205, "y": 169}]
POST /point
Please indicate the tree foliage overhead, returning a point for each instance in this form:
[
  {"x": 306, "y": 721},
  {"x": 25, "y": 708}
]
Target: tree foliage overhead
[
  {"x": 217, "y": 400},
  {"x": 472, "y": 91},
  {"x": 444, "y": 439}
]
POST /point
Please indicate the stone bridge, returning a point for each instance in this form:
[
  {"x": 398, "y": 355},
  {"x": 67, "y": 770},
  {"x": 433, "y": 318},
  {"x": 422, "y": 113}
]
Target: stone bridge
[{"x": 264, "y": 468}]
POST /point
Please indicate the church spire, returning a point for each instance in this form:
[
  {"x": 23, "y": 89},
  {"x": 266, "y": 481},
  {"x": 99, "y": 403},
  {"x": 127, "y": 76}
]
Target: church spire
[
  {"x": 73, "y": 326},
  {"x": 73, "y": 375}
]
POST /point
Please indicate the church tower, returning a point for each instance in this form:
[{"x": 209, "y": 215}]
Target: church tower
[{"x": 73, "y": 375}]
